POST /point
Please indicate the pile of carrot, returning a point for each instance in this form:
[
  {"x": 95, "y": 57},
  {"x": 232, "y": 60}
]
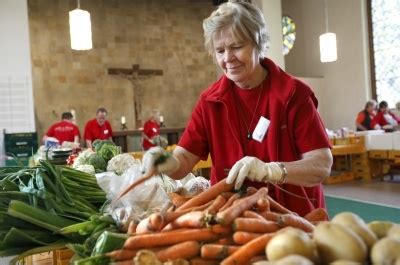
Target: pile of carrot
[{"x": 217, "y": 226}]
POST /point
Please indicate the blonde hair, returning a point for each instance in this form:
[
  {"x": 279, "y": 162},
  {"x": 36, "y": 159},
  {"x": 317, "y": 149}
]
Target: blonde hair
[{"x": 245, "y": 20}]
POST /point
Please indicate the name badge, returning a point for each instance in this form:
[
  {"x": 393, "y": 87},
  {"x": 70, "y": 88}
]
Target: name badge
[
  {"x": 261, "y": 129},
  {"x": 105, "y": 131}
]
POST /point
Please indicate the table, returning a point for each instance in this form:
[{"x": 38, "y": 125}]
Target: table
[{"x": 121, "y": 137}]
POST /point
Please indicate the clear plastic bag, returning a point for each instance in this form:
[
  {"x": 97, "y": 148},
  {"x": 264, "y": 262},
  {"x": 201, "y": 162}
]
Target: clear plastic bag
[
  {"x": 195, "y": 186},
  {"x": 138, "y": 203}
]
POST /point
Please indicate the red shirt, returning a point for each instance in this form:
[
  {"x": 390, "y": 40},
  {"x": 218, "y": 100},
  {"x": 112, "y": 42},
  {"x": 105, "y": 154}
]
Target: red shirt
[
  {"x": 296, "y": 128},
  {"x": 93, "y": 130},
  {"x": 380, "y": 120},
  {"x": 150, "y": 129},
  {"x": 63, "y": 131}
]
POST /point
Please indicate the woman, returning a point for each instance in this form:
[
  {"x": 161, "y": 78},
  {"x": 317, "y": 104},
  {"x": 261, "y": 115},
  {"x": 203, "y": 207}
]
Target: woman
[
  {"x": 364, "y": 118},
  {"x": 291, "y": 148},
  {"x": 385, "y": 119},
  {"x": 151, "y": 130}
]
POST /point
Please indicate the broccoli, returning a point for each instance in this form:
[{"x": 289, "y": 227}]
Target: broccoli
[
  {"x": 97, "y": 162},
  {"x": 106, "y": 149}
]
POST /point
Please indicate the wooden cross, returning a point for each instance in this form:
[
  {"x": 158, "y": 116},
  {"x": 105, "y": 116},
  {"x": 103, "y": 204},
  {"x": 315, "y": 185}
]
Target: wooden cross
[{"x": 134, "y": 75}]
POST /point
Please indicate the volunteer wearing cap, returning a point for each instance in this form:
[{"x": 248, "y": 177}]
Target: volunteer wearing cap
[{"x": 64, "y": 131}]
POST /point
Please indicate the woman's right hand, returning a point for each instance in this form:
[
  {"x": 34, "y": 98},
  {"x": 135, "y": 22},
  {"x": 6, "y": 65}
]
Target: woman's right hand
[{"x": 154, "y": 158}]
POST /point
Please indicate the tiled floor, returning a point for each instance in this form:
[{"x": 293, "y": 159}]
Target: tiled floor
[{"x": 385, "y": 192}]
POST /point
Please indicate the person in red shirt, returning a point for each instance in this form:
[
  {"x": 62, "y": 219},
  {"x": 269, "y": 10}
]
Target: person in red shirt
[
  {"x": 258, "y": 123},
  {"x": 364, "y": 118},
  {"x": 65, "y": 130},
  {"x": 385, "y": 119},
  {"x": 151, "y": 130},
  {"x": 98, "y": 128}
]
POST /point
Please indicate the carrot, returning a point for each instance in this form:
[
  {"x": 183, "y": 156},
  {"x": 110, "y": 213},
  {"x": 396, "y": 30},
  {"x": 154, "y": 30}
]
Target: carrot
[
  {"x": 277, "y": 207},
  {"x": 125, "y": 262},
  {"x": 159, "y": 221},
  {"x": 242, "y": 238},
  {"x": 132, "y": 228},
  {"x": 192, "y": 219},
  {"x": 225, "y": 241},
  {"x": 250, "y": 191},
  {"x": 144, "y": 226},
  {"x": 254, "y": 225},
  {"x": 122, "y": 254},
  {"x": 177, "y": 199},
  {"x": 262, "y": 204},
  {"x": 227, "y": 216},
  {"x": 257, "y": 258},
  {"x": 174, "y": 237},
  {"x": 184, "y": 250},
  {"x": 251, "y": 214},
  {"x": 230, "y": 201},
  {"x": 208, "y": 195},
  {"x": 270, "y": 216},
  {"x": 253, "y": 248},
  {"x": 216, "y": 205},
  {"x": 200, "y": 261},
  {"x": 215, "y": 251},
  {"x": 319, "y": 214},
  {"x": 227, "y": 194},
  {"x": 295, "y": 221}
]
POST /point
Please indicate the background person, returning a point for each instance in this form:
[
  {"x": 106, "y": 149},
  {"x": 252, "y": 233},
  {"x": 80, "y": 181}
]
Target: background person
[
  {"x": 97, "y": 128},
  {"x": 385, "y": 119},
  {"x": 364, "y": 117},
  {"x": 64, "y": 131},
  {"x": 151, "y": 130},
  {"x": 292, "y": 151}
]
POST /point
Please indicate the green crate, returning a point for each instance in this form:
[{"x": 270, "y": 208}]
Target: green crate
[
  {"x": 21, "y": 151},
  {"x": 20, "y": 139},
  {"x": 17, "y": 162}
]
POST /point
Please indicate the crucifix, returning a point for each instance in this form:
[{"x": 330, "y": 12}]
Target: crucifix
[{"x": 135, "y": 75}]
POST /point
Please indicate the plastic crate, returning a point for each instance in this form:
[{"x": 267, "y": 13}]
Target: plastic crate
[{"x": 20, "y": 139}]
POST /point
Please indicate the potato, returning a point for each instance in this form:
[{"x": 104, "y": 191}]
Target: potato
[
  {"x": 357, "y": 225},
  {"x": 146, "y": 257},
  {"x": 291, "y": 241},
  {"x": 385, "y": 251},
  {"x": 288, "y": 260},
  {"x": 380, "y": 228},
  {"x": 394, "y": 232},
  {"x": 334, "y": 242},
  {"x": 344, "y": 262},
  {"x": 397, "y": 261}
]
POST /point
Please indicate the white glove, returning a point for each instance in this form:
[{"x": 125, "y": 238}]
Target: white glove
[
  {"x": 256, "y": 170},
  {"x": 149, "y": 161}
]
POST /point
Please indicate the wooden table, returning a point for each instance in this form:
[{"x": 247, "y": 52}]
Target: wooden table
[{"x": 121, "y": 137}]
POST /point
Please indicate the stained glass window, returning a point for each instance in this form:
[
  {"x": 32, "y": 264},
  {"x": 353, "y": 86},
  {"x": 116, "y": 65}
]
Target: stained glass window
[
  {"x": 386, "y": 41},
  {"x": 289, "y": 34}
]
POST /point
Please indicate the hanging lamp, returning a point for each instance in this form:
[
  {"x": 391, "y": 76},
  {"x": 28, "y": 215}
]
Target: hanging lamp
[
  {"x": 80, "y": 29},
  {"x": 327, "y": 42}
]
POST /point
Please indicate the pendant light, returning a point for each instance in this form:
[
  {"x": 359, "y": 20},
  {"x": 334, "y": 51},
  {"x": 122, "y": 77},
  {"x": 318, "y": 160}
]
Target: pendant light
[
  {"x": 80, "y": 29},
  {"x": 327, "y": 42}
]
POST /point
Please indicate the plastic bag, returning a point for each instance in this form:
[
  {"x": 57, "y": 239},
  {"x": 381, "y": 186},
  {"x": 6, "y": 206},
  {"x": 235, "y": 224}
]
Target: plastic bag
[
  {"x": 195, "y": 186},
  {"x": 138, "y": 203}
]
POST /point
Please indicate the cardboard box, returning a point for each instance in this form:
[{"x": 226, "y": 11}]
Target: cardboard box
[
  {"x": 396, "y": 140},
  {"x": 367, "y": 136},
  {"x": 381, "y": 141}
]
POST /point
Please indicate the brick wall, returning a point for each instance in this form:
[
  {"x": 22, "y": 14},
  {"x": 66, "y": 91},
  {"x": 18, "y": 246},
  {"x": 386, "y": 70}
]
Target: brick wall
[{"x": 155, "y": 34}]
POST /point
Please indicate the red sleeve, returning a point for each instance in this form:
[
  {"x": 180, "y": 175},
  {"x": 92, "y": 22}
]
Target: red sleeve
[
  {"x": 50, "y": 131},
  {"x": 310, "y": 131},
  {"x": 360, "y": 117},
  {"x": 76, "y": 131},
  {"x": 109, "y": 128},
  {"x": 87, "y": 135},
  {"x": 194, "y": 138}
]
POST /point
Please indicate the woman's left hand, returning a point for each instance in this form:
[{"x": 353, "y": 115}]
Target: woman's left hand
[{"x": 254, "y": 169}]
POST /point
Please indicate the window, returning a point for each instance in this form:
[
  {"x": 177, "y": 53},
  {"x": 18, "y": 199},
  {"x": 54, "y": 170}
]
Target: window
[{"x": 385, "y": 49}]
